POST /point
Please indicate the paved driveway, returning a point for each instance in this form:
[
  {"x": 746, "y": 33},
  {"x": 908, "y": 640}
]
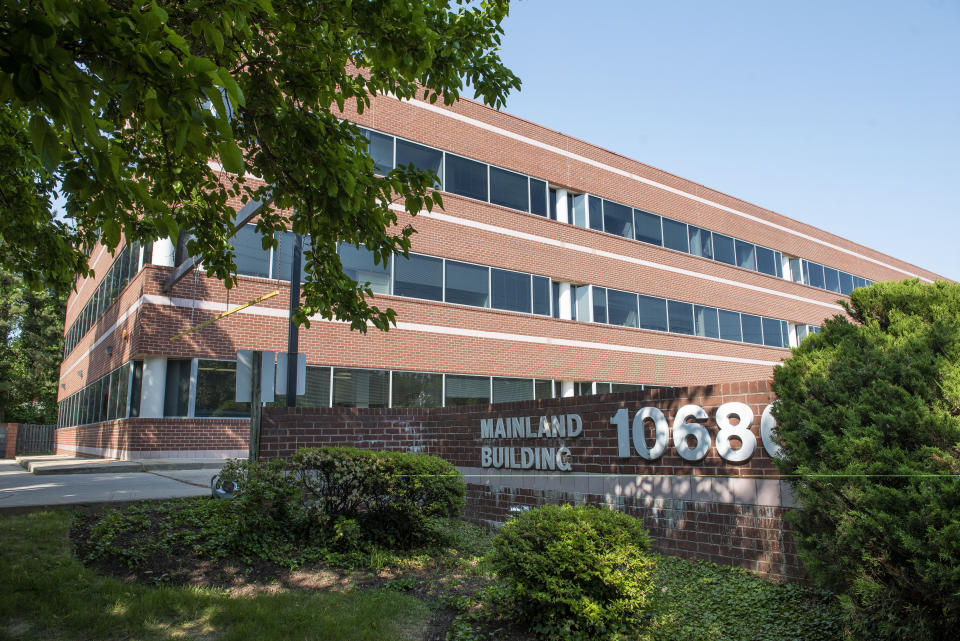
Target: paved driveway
[{"x": 19, "y": 488}]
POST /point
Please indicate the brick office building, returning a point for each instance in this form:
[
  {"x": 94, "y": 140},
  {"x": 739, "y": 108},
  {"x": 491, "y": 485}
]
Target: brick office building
[{"x": 556, "y": 269}]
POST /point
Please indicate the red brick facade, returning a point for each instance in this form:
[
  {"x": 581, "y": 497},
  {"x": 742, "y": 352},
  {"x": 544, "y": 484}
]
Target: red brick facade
[{"x": 712, "y": 509}]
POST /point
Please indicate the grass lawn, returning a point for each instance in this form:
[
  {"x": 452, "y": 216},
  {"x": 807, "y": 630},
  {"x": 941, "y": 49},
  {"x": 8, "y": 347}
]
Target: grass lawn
[
  {"x": 424, "y": 595},
  {"x": 46, "y": 593}
]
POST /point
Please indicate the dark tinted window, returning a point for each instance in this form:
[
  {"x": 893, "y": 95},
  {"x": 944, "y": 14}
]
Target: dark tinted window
[
  {"x": 617, "y": 219},
  {"x": 831, "y": 279},
  {"x": 746, "y": 255},
  {"x": 508, "y": 189},
  {"x": 419, "y": 277},
  {"x": 752, "y": 329},
  {"x": 553, "y": 204},
  {"x": 675, "y": 235},
  {"x": 622, "y": 308},
  {"x": 599, "y": 305},
  {"x": 766, "y": 261},
  {"x": 316, "y": 388},
  {"x": 467, "y": 284},
  {"x": 723, "y": 249},
  {"x": 700, "y": 242},
  {"x": 410, "y": 153},
  {"x": 772, "y": 332},
  {"x": 416, "y": 389},
  {"x": 216, "y": 390},
  {"x": 815, "y": 274},
  {"x": 538, "y": 198},
  {"x": 647, "y": 227},
  {"x": 596, "y": 213},
  {"x": 846, "y": 283},
  {"x": 705, "y": 321},
  {"x": 653, "y": 313},
  {"x": 250, "y": 256},
  {"x": 511, "y": 290},
  {"x": 729, "y": 325},
  {"x": 508, "y": 390},
  {"x": 380, "y": 148},
  {"x": 859, "y": 282},
  {"x": 467, "y": 390},
  {"x": 466, "y": 177},
  {"x": 284, "y": 253},
  {"x": 543, "y": 388},
  {"x": 360, "y": 387},
  {"x": 555, "y": 290},
  {"x": 681, "y": 317},
  {"x": 541, "y": 295},
  {"x": 177, "y": 393}
]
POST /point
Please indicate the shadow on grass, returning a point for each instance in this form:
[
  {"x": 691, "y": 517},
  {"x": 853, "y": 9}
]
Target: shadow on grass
[{"x": 47, "y": 593}]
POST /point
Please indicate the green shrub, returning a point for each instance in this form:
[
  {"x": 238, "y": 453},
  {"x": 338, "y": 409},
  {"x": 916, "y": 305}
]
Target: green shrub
[
  {"x": 574, "y": 572},
  {"x": 269, "y": 500},
  {"x": 392, "y": 495},
  {"x": 869, "y": 415}
]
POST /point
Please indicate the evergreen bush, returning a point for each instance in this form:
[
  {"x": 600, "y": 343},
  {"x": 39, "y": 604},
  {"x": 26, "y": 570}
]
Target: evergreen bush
[
  {"x": 869, "y": 416},
  {"x": 574, "y": 572}
]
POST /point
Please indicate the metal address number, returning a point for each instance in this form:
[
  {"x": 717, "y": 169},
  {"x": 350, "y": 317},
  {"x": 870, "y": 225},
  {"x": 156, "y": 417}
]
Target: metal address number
[{"x": 689, "y": 423}]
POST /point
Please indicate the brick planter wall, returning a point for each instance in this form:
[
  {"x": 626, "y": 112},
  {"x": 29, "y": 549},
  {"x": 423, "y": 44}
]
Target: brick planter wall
[
  {"x": 725, "y": 512},
  {"x": 144, "y": 438}
]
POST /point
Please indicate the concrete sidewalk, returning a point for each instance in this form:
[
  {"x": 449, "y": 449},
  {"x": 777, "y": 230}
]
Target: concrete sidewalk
[
  {"x": 64, "y": 464},
  {"x": 20, "y": 488}
]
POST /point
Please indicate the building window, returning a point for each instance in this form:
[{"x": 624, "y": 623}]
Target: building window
[
  {"x": 538, "y": 198},
  {"x": 417, "y": 389},
  {"x": 508, "y": 390},
  {"x": 675, "y": 235},
  {"x": 701, "y": 242},
  {"x": 541, "y": 295},
  {"x": 846, "y": 283},
  {"x": 543, "y": 389},
  {"x": 466, "y": 177},
  {"x": 746, "y": 255},
  {"x": 617, "y": 219},
  {"x": 596, "y": 213},
  {"x": 249, "y": 255},
  {"x": 316, "y": 390},
  {"x": 647, "y": 227},
  {"x": 599, "y": 304},
  {"x": 729, "y": 325},
  {"x": 723, "y": 249},
  {"x": 466, "y": 390},
  {"x": 772, "y": 332},
  {"x": 380, "y": 148},
  {"x": 418, "y": 277},
  {"x": 622, "y": 308},
  {"x": 653, "y": 313},
  {"x": 681, "y": 317},
  {"x": 217, "y": 389},
  {"x": 360, "y": 387},
  {"x": 831, "y": 279},
  {"x": 705, "y": 322},
  {"x": 358, "y": 264},
  {"x": 511, "y": 290},
  {"x": 509, "y": 189},
  {"x": 766, "y": 261},
  {"x": 467, "y": 284},
  {"x": 285, "y": 256},
  {"x": 577, "y": 209},
  {"x": 752, "y": 329},
  {"x": 421, "y": 157},
  {"x": 176, "y": 397}
]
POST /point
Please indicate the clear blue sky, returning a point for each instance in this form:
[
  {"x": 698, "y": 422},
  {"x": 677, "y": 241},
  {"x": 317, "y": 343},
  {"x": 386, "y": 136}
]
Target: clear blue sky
[{"x": 843, "y": 114}]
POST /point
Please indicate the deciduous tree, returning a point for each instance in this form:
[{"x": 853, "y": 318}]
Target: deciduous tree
[{"x": 125, "y": 104}]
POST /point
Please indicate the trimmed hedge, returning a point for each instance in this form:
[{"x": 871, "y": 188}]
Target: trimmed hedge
[
  {"x": 574, "y": 572},
  {"x": 344, "y": 495}
]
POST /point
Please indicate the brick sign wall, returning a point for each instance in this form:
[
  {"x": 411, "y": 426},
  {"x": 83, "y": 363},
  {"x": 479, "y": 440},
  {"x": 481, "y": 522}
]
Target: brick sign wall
[{"x": 585, "y": 450}]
